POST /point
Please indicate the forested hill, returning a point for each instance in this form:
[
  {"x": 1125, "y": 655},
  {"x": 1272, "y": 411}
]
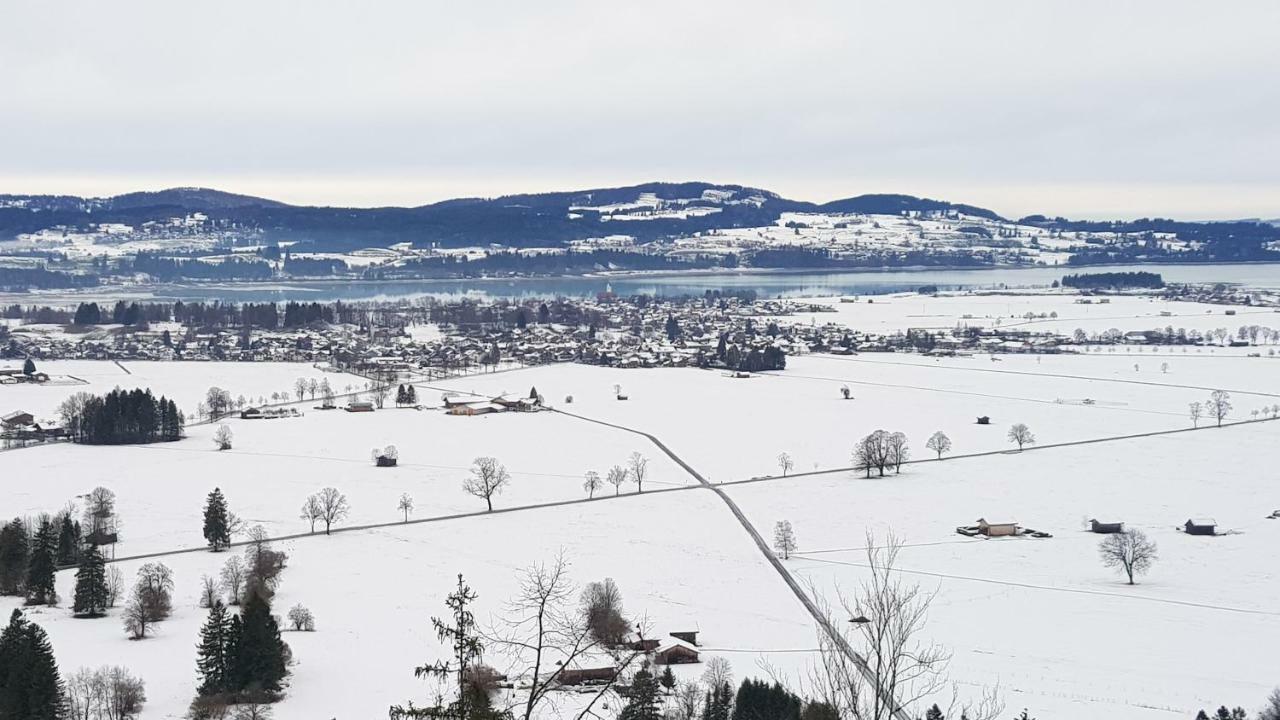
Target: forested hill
[
  {"x": 645, "y": 212},
  {"x": 649, "y": 211}
]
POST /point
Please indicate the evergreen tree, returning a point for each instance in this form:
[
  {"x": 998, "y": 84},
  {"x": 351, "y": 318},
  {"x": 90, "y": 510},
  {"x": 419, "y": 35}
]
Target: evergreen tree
[
  {"x": 28, "y": 367},
  {"x": 934, "y": 713},
  {"x": 410, "y": 395},
  {"x": 667, "y": 679},
  {"x": 14, "y": 547},
  {"x": 642, "y": 698},
  {"x": 91, "y": 595},
  {"x": 68, "y": 541},
  {"x": 217, "y": 526},
  {"x": 260, "y": 654},
  {"x": 30, "y": 687},
  {"x": 757, "y": 700},
  {"x": 213, "y": 651},
  {"x": 43, "y": 563},
  {"x": 718, "y": 704}
]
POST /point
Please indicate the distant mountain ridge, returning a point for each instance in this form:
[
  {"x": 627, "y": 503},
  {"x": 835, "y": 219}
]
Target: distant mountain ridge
[{"x": 647, "y": 212}]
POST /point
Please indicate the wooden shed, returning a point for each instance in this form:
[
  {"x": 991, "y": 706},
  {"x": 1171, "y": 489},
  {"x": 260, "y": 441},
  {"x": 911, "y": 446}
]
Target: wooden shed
[
  {"x": 1201, "y": 526},
  {"x": 676, "y": 652},
  {"x": 997, "y": 529},
  {"x": 1106, "y": 527},
  {"x": 984, "y": 420},
  {"x": 585, "y": 676}
]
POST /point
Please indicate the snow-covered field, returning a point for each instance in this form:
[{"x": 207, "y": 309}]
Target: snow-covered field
[
  {"x": 900, "y": 311},
  {"x": 732, "y": 428},
  {"x": 1059, "y": 633},
  {"x": 274, "y": 464},
  {"x": 682, "y": 565},
  {"x": 185, "y": 382}
]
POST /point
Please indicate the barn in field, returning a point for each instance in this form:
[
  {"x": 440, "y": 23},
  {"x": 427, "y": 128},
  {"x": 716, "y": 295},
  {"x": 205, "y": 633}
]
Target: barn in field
[
  {"x": 1105, "y": 527},
  {"x": 997, "y": 529},
  {"x": 1201, "y": 526}
]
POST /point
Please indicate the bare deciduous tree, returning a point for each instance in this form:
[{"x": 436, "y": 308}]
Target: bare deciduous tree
[
  {"x": 541, "y": 630},
  {"x": 1021, "y": 434},
  {"x": 232, "y": 577},
  {"x": 405, "y": 505},
  {"x": 591, "y": 483},
  {"x": 208, "y": 591},
  {"x": 222, "y": 437},
  {"x": 639, "y": 469},
  {"x": 898, "y": 450},
  {"x": 1131, "y": 551},
  {"x": 379, "y": 391},
  {"x": 617, "y": 475},
  {"x": 333, "y": 507},
  {"x": 488, "y": 477},
  {"x": 1219, "y": 405},
  {"x": 882, "y": 665},
  {"x": 301, "y": 619},
  {"x": 311, "y": 511},
  {"x": 939, "y": 443},
  {"x": 1196, "y": 410},
  {"x": 785, "y": 462},
  {"x": 872, "y": 451},
  {"x": 108, "y": 693},
  {"x": 784, "y": 538},
  {"x": 299, "y": 388},
  {"x": 601, "y": 604},
  {"x": 115, "y": 585},
  {"x": 151, "y": 600}
]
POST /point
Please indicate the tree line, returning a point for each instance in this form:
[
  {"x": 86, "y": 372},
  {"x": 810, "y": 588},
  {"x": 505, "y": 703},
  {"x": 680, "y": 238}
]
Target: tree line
[{"x": 121, "y": 417}]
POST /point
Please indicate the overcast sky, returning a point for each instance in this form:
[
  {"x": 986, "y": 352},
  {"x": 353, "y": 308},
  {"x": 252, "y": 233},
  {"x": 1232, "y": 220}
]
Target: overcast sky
[{"x": 1075, "y": 107}]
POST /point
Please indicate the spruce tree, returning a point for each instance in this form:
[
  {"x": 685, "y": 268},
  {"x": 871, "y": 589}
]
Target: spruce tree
[
  {"x": 91, "y": 585},
  {"x": 217, "y": 527},
  {"x": 14, "y": 547},
  {"x": 260, "y": 655},
  {"x": 642, "y": 699},
  {"x": 68, "y": 541},
  {"x": 30, "y": 687},
  {"x": 934, "y": 713},
  {"x": 42, "y": 566},
  {"x": 668, "y": 679},
  {"x": 212, "y": 652}
]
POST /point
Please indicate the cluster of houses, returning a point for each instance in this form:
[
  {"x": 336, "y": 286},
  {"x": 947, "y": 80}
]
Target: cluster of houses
[
  {"x": 20, "y": 427},
  {"x": 677, "y": 648}
]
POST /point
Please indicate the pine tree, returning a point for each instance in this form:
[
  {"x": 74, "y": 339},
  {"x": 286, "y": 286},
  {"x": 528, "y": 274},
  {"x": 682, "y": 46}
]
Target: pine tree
[
  {"x": 260, "y": 653},
  {"x": 30, "y": 687},
  {"x": 934, "y": 713},
  {"x": 410, "y": 395},
  {"x": 91, "y": 585},
  {"x": 42, "y": 566},
  {"x": 642, "y": 699},
  {"x": 719, "y": 703},
  {"x": 401, "y": 396},
  {"x": 217, "y": 530},
  {"x": 212, "y": 652}
]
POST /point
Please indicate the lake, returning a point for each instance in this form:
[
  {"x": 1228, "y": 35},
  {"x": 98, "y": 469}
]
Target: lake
[{"x": 765, "y": 284}]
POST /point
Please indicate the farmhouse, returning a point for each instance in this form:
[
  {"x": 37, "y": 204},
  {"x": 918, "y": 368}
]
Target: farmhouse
[
  {"x": 1201, "y": 526},
  {"x": 675, "y": 652},
  {"x": 17, "y": 419},
  {"x": 586, "y": 676}
]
